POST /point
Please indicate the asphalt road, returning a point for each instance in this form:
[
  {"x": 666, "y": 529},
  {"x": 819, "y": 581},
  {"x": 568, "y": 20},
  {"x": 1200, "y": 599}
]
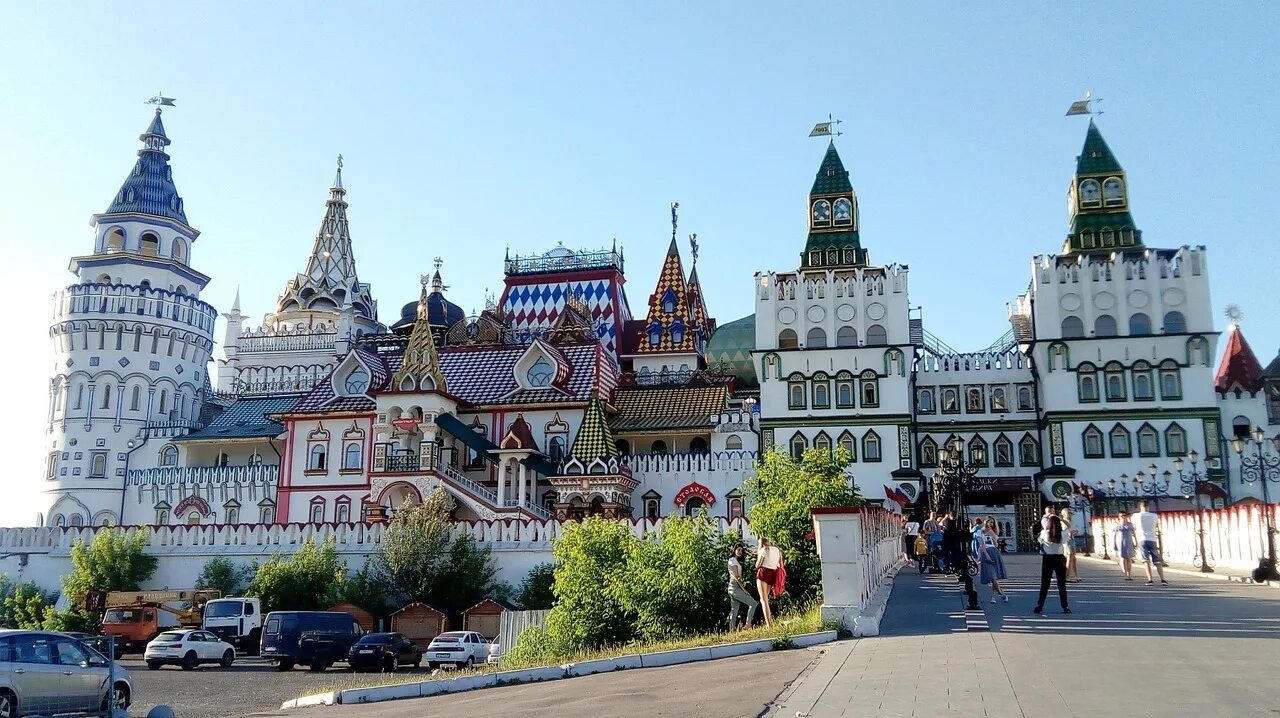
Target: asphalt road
[
  {"x": 727, "y": 688},
  {"x": 249, "y": 686}
]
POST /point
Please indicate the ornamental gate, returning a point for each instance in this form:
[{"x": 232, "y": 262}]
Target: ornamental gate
[{"x": 1026, "y": 513}]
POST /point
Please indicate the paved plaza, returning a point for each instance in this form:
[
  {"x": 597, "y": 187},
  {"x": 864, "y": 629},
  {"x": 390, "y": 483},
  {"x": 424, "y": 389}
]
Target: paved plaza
[{"x": 1198, "y": 647}]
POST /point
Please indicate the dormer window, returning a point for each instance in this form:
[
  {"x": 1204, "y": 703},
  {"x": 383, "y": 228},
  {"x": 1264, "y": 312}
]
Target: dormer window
[
  {"x": 1113, "y": 192},
  {"x": 655, "y": 334},
  {"x": 357, "y": 382},
  {"x": 669, "y": 301},
  {"x": 540, "y": 373},
  {"x": 677, "y": 332}
]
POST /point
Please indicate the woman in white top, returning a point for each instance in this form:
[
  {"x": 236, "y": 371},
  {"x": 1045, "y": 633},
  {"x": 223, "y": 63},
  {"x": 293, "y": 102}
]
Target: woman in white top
[
  {"x": 1053, "y": 562},
  {"x": 1069, "y": 533},
  {"x": 768, "y": 561}
]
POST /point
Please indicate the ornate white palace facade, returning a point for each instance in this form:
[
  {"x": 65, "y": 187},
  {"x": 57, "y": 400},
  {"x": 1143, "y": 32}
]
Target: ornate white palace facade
[{"x": 557, "y": 401}]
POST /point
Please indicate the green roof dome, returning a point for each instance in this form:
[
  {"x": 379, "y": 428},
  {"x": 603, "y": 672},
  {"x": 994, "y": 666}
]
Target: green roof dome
[{"x": 731, "y": 347}]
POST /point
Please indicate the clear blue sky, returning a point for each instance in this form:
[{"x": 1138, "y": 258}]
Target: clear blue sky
[{"x": 470, "y": 127}]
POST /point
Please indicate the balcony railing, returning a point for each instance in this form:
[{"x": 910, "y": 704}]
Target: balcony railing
[
  {"x": 167, "y": 475},
  {"x": 126, "y": 299},
  {"x": 403, "y": 462}
]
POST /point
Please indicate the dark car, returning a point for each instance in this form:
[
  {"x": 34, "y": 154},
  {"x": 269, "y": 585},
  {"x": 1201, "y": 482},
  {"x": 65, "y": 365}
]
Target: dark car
[
  {"x": 316, "y": 639},
  {"x": 101, "y": 644},
  {"x": 384, "y": 651}
]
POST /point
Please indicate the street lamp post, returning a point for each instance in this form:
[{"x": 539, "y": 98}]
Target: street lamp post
[
  {"x": 953, "y": 475},
  {"x": 1262, "y": 468},
  {"x": 1192, "y": 480},
  {"x": 1082, "y": 499}
]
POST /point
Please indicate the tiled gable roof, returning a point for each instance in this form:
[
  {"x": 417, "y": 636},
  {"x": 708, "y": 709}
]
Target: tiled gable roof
[
  {"x": 245, "y": 417},
  {"x": 1240, "y": 369},
  {"x": 666, "y": 407}
]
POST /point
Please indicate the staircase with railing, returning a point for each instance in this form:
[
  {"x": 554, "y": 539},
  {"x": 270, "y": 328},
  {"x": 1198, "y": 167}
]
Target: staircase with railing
[{"x": 386, "y": 462}]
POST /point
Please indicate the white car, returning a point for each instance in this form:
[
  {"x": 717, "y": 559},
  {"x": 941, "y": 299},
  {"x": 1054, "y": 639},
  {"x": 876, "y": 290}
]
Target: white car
[
  {"x": 188, "y": 648},
  {"x": 495, "y": 649},
  {"x": 461, "y": 648}
]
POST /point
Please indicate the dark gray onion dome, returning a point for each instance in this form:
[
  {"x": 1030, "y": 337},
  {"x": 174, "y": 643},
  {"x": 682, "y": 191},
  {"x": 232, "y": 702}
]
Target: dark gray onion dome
[{"x": 440, "y": 313}]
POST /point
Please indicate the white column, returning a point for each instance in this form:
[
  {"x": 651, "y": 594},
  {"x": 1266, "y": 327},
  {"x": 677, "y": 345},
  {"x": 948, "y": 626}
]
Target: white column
[
  {"x": 521, "y": 500},
  {"x": 502, "y": 482}
]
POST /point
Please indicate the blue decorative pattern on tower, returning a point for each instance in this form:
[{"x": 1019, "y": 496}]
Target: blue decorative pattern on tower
[{"x": 149, "y": 188}]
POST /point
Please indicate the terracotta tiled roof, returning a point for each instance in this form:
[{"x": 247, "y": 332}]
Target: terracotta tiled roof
[
  {"x": 678, "y": 407},
  {"x": 1240, "y": 369}
]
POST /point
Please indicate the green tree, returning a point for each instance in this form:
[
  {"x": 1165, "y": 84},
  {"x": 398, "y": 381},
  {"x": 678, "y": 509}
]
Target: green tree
[
  {"x": 224, "y": 575},
  {"x": 782, "y": 493},
  {"x": 674, "y": 580},
  {"x": 537, "y": 590},
  {"x": 591, "y": 558},
  {"x": 422, "y": 558},
  {"x": 309, "y": 580},
  {"x": 27, "y": 608},
  {"x": 116, "y": 560},
  {"x": 363, "y": 589}
]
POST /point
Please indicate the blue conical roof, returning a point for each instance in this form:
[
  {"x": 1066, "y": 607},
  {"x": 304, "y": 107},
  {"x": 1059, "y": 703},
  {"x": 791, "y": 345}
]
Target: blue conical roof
[{"x": 149, "y": 188}]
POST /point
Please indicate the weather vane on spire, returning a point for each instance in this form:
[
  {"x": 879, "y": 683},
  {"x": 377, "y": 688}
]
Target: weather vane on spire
[
  {"x": 161, "y": 101},
  {"x": 693, "y": 246},
  {"x": 1085, "y": 106},
  {"x": 674, "y": 206},
  {"x": 339, "y": 161},
  {"x": 1234, "y": 314},
  {"x": 826, "y": 129},
  {"x": 438, "y": 261}
]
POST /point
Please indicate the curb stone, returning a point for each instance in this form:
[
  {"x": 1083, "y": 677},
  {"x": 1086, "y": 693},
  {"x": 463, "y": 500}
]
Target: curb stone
[{"x": 1216, "y": 575}]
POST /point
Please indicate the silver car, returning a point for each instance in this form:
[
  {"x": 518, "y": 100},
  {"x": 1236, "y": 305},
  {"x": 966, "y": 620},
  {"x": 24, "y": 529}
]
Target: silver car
[{"x": 44, "y": 673}]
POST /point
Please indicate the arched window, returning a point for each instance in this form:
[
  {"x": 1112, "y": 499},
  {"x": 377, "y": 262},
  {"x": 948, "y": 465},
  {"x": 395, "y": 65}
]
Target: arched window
[
  {"x": 1139, "y": 325},
  {"x": 1028, "y": 451},
  {"x": 115, "y": 240},
  {"x": 1113, "y": 191},
  {"x": 179, "y": 251},
  {"x": 669, "y": 301},
  {"x": 317, "y": 511},
  {"x": 821, "y": 213},
  {"x": 342, "y": 511},
  {"x": 1121, "y": 442},
  {"x": 698, "y": 445},
  {"x": 1087, "y": 382},
  {"x": 1170, "y": 380},
  {"x": 233, "y": 515},
  {"x": 194, "y": 518},
  {"x": 267, "y": 514},
  {"x": 357, "y": 382},
  {"x": 816, "y": 339},
  {"x": 658, "y": 447},
  {"x": 106, "y": 397},
  {"x": 162, "y": 516},
  {"x": 540, "y": 373},
  {"x": 1115, "y": 382},
  {"x": 655, "y": 333},
  {"x": 928, "y": 452},
  {"x": 59, "y": 520},
  {"x": 624, "y": 447},
  {"x": 694, "y": 506},
  {"x": 877, "y": 335},
  {"x": 798, "y": 445},
  {"x": 164, "y": 395},
  {"x": 844, "y": 390},
  {"x": 98, "y": 466},
  {"x": 652, "y": 506},
  {"x": 1104, "y": 326},
  {"x": 950, "y": 400},
  {"x": 317, "y": 457},
  {"x": 169, "y": 456},
  {"x": 846, "y": 337},
  {"x": 871, "y": 446},
  {"x": 1090, "y": 193},
  {"x": 869, "y": 389},
  {"x": 998, "y": 401},
  {"x": 733, "y": 443},
  {"x": 1174, "y": 323},
  {"x": 1198, "y": 351},
  {"x": 787, "y": 339},
  {"x": 973, "y": 400},
  {"x": 351, "y": 456},
  {"x": 821, "y": 391},
  {"x": 77, "y": 520},
  {"x": 924, "y": 401},
  {"x": 135, "y": 399},
  {"x": 849, "y": 444},
  {"x": 149, "y": 245},
  {"x": 1092, "y": 441},
  {"x": 795, "y": 391},
  {"x": 1072, "y": 328},
  {"x": 1148, "y": 441},
  {"x": 1143, "y": 382},
  {"x": 556, "y": 446},
  {"x": 1175, "y": 441},
  {"x": 677, "y": 332}
]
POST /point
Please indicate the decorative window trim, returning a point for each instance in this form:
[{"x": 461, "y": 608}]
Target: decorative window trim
[
  {"x": 1028, "y": 441},
  {"x": 821, "y": 381},
  {"x": 1114, "y": 377},
  {"x": 796, "y": 399},
  {"x": 1150, "y": 431},
  {"x": 933, "y": 403},
  {"x": 1120, "y": 432},
  {"x": 850, "y": 444},
  {"x": 928, "y": 452},
  {"x": 1090, "y": 372},
  {"x": 978, "y": 442},
  {"x": 872, "y": 440},
  {"x": 942, "y": 399},
  {"x": 971, "y": 406},
  {"x": 797, "y": 441},
  {"x": 1175, "y": 429},
  {"x": 869, "y": 380},
  {"x": 1005, "y": 442},
  {"x": 1093, "y": 431}
]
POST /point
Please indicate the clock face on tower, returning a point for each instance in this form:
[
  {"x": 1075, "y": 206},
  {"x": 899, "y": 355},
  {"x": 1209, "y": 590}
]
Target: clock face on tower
[
  {"x": 1113, "y": 189},
  {"x": 1090, "y": 191},
  {"x": 843, "y": 210},
  {"x": 822, "y": 211}
]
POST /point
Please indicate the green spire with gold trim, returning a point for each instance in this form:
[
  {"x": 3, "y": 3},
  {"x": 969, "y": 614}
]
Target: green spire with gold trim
[
  {"x": 594, "y": 439},
  {"x": 1099, "y": 199},
  {"x": 833, "y": 218},
  {"x": 420, "y": 361}
]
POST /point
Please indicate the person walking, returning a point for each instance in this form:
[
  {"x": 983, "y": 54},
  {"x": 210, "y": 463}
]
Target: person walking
[
  {"x": 991, "y": 565},
  {"x": 1052, "y": 563},
  {"x": 1124, "y": 543},
  {"x": 910, "y": 530},
  {"x": 768, "y": 564},
  {"x": 738, "y": 593},
  {"x": 1147, "y": 533},
  {"x": 1069, "y": 533}
]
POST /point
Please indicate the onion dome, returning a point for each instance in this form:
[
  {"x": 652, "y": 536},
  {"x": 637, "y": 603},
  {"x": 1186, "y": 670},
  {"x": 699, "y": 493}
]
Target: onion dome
[
  {"x": 730, "y": 348},
  {"x": 441, "y": 313}
]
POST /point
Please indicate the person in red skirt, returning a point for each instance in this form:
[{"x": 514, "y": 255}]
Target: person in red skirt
[{"x": 771, "y": 575}]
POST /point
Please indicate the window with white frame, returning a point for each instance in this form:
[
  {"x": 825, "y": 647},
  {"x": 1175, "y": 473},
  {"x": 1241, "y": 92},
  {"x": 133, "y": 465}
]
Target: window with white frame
[{"x": 871, "y": 446}]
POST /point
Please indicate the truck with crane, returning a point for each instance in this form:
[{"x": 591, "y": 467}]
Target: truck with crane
[{"x": 136, "y": 617}]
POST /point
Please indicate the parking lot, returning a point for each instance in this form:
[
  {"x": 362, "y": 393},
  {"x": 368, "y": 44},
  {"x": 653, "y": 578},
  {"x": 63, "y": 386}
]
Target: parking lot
[{"x": 251, "y": 685}]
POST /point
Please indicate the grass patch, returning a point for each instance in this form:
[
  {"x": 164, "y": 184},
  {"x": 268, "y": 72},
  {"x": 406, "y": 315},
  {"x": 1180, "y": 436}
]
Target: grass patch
[{"x": 808, "y": 620}]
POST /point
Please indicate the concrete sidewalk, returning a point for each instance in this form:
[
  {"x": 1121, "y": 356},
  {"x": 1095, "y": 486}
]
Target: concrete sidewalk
[{"x": 1195, "y": 648}]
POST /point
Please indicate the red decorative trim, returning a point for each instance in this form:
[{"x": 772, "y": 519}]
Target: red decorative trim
[
  {"x": 694, "y": 489},
  {"x": 192, "y": 502}
]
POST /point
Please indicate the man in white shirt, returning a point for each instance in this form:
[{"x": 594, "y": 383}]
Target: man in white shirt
[
  {"x": 1145, "y": 524},
  {"x": 910, "y": 530}
]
